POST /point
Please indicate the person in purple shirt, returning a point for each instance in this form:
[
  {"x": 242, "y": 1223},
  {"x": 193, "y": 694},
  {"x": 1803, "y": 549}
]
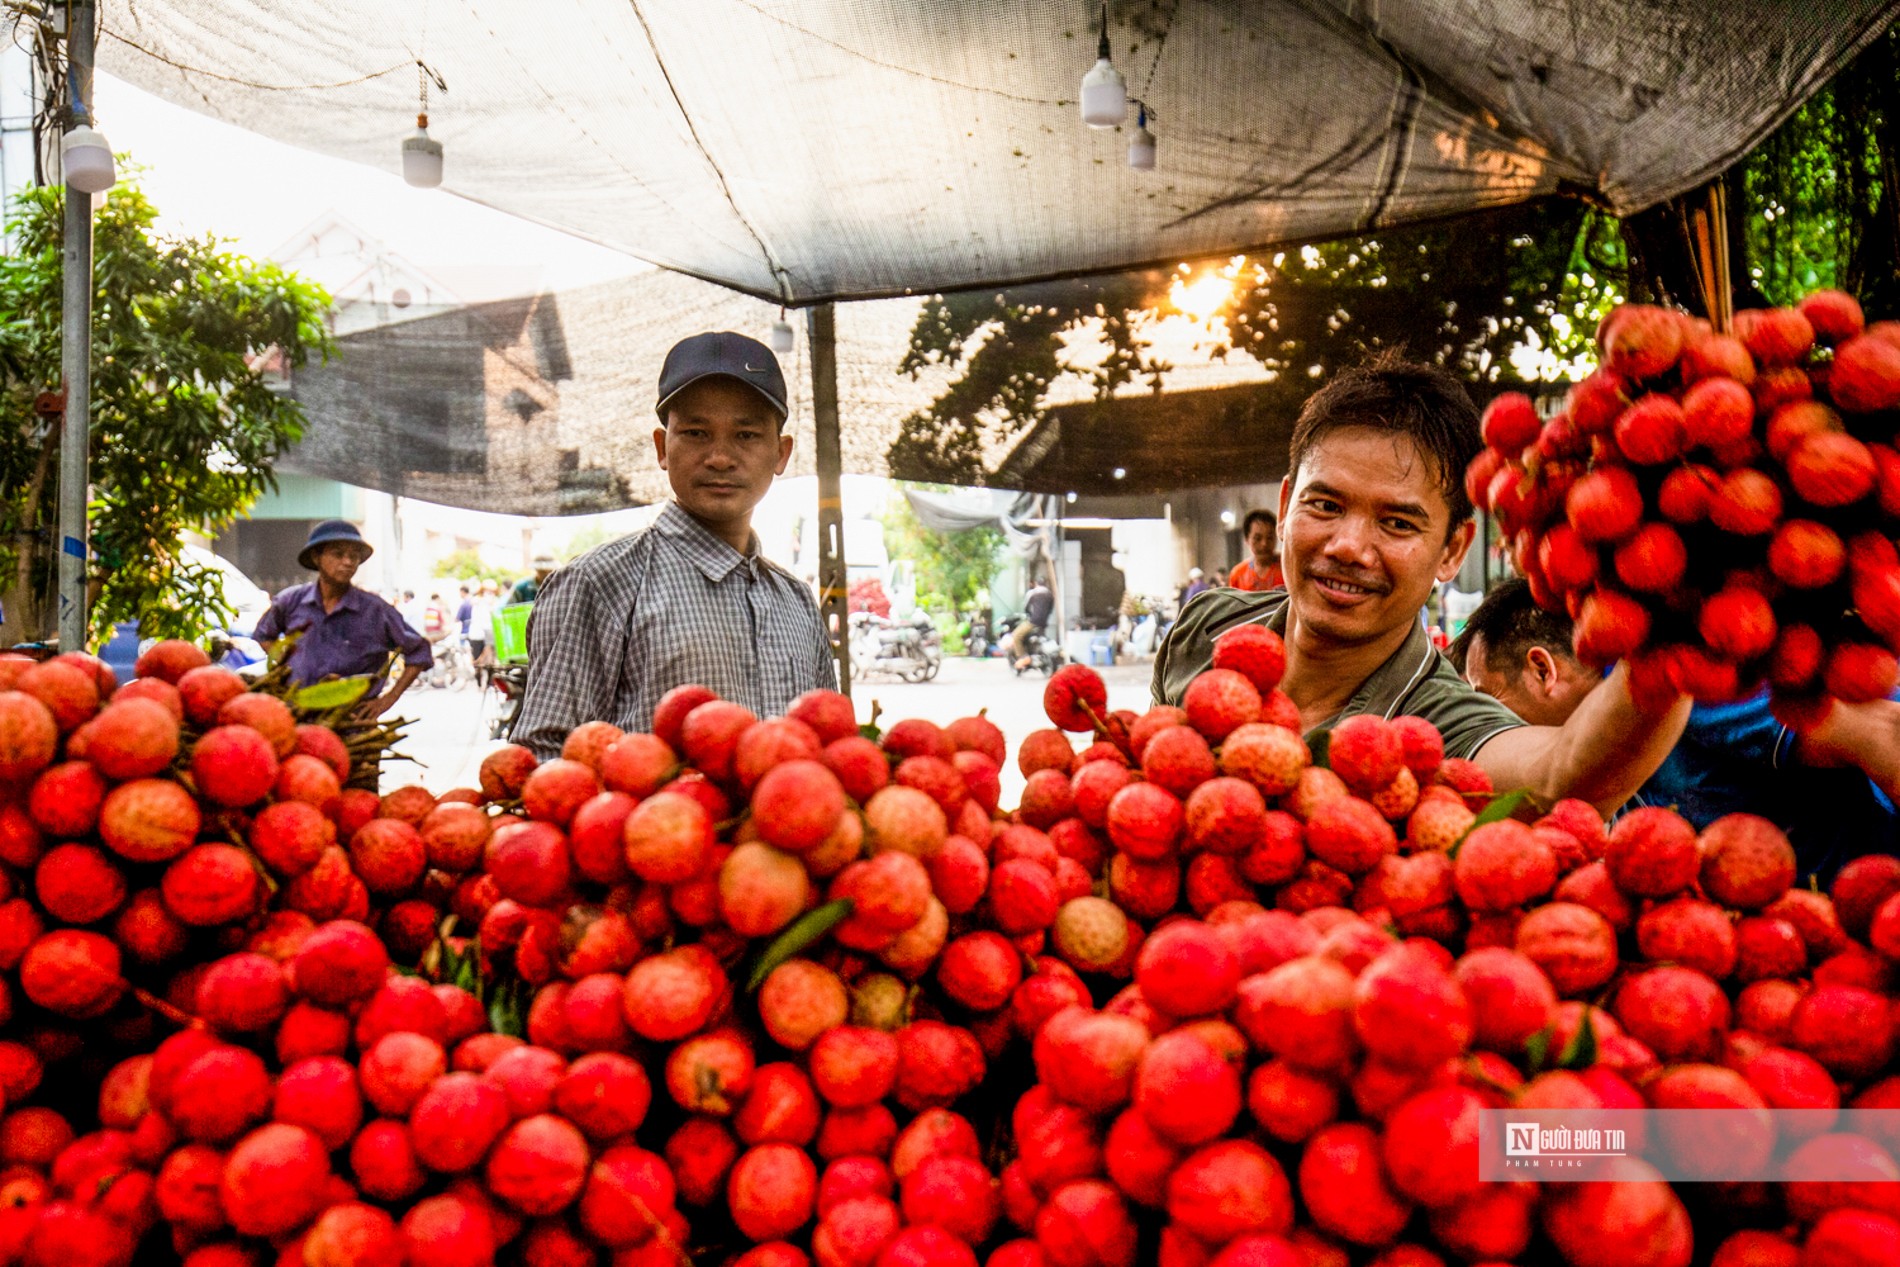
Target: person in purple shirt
[{"x": 346, "y": 631}]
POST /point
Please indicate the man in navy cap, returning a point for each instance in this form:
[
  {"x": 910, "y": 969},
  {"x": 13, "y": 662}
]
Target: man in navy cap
[
  {"x": 690, "y": 599},
  {"x": 345, "y": 631}
]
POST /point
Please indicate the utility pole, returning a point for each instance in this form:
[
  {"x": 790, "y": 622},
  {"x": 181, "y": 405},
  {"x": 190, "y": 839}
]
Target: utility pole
[
  {"x": 76, "y": 355},
  {"x": 828, "y": 452}
]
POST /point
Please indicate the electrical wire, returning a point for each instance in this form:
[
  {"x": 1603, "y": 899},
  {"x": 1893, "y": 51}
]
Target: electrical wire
[
  {"x": 252, "y": 83},
  {"x": 50, "y": 114}
]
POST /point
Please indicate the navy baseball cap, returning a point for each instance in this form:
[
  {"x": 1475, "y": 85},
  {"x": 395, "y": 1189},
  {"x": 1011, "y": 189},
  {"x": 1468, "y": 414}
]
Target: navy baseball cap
[
  {"x": 326, "y": 532},
  {"x": 722, "y": 354}
]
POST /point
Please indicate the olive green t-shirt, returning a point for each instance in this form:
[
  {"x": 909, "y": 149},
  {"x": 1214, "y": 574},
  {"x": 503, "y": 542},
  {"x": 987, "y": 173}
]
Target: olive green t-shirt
[{"x": 1416, "y": 681}]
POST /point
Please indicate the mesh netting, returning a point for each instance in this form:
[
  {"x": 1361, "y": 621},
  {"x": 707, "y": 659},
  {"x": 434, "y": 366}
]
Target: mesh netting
[
  {"x": 810, "y": 149},
  {"x": 544, "y": 405}
]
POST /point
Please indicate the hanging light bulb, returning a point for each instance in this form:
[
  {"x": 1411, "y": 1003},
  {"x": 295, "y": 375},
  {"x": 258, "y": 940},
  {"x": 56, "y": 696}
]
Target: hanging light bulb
[
  {"x": 1141, "y": 146},
  {"x": 1104, "y": 92},
  {"x": 782, "y": 337},
  {"x": 422, "y": 156},
  {"x": 86, "y": 160},
  {"x": 422, "y": 153}
]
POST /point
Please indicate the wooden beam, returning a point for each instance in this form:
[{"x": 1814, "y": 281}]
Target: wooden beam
[{"x": 833, "y": 607}]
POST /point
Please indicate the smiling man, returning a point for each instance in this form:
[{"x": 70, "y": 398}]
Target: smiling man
[
  {"x": 1373, "y": 514},
  {"x": 690, "y": 599}
]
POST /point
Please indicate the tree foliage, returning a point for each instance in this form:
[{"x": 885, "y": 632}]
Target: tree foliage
[
  {"x": 185, "y": 428},
  {"x": 1464, "y": 294},
  {"x": 953, "y": 568},
  {"x": 1821, "y": 195},
  {"x": 468, "y": 565}
]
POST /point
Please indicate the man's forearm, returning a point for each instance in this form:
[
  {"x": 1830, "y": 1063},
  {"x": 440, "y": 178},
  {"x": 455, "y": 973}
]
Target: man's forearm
[
  {"x": 410, "y": 672},
  {"x": 1610, "y": 747},
  {"x": 1606, "y": 750},
  {"x": 1862, "y": 735}
]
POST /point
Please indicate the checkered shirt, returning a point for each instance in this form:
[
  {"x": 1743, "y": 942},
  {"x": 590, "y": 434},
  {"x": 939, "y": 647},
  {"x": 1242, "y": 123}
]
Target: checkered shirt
[{"x": 628, "y": 621}]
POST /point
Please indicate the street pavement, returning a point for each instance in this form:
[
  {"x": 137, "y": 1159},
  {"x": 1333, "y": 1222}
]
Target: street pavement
[{"x": 448, "y": 733}]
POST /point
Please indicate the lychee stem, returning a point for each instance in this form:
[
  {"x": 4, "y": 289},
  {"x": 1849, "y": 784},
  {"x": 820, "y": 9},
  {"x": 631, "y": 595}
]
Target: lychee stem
[
  {"x": 164, "y": 1009},
  {"x": 257, "y": 864},
  {"x": 660, "y": 1233},
  {"x": 1103, "y": 732}
]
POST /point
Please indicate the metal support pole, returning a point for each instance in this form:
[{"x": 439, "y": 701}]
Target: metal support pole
[
  {"x": 1059, "y": 580},
  {"x": 76, "y": 357},
  {"x": 828, "y": 452}
]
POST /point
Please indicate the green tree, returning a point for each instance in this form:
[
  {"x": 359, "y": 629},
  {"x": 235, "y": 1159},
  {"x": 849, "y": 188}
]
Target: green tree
[
  {"x": 952, "y": 567},
  {"x": 468, "y": 565},
  {"x": 1821, "y": 196},
  {"x": 185, "y": 425},
  {"x": 1465, "y": 294}
]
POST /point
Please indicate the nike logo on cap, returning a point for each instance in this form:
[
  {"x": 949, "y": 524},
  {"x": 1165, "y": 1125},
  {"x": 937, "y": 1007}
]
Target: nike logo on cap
[{"x": 755, "y": 369}]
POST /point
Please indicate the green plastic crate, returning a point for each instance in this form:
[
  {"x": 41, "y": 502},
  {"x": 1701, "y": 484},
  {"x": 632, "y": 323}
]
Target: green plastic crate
[{"x": 511, "y": 632}]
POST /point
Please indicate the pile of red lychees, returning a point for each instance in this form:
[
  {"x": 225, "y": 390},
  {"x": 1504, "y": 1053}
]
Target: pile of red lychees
[
  {"x": 1719, "y": 507},
  {"x": 780, "y": 993}
]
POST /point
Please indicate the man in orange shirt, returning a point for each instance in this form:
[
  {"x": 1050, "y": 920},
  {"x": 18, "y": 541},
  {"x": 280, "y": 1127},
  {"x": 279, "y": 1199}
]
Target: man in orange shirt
[{"x": 1262, "y": 571}]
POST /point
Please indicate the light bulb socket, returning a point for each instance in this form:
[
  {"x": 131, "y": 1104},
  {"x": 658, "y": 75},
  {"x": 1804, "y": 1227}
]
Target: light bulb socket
[
  {"x": 422, "y": 158},
  {"x": 86, "y": 160}
]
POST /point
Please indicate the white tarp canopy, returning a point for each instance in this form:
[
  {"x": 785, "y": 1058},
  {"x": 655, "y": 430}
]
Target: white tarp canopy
[{"x": 805, "y": 150}]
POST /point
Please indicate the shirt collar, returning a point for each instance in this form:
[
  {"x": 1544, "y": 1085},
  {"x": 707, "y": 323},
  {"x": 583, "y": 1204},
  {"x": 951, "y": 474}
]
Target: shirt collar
[
  {"x": 354, "y": 598},
  {"x": 712, "y": 555},
  {"x": 1383, "y": 692}
]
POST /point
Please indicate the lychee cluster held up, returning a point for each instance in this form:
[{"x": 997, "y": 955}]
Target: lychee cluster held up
[
  {"x": 784, "y": 992},
  {"x": 1719, "y": 508}
]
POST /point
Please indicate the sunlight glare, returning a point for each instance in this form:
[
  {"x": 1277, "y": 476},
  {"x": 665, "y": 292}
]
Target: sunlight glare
[{"x": 1203, "y": 297}]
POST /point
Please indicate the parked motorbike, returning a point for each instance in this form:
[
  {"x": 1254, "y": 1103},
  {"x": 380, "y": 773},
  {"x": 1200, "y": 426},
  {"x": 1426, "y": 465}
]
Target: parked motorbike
[
  {"x": 1044, "y": 653},
  {"x": 909, "y": 649},
  {"x": 508, "y": 683}
]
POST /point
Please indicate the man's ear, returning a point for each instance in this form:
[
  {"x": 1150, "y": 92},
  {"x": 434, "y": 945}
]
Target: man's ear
[
  {"x": 1543, "y": 669},
  {"x": 1286, "y": 491},
  {"x": 1454, "y": 556},
  {"x": 784, "y": 453},
  {"x": 659, "y": 445}
]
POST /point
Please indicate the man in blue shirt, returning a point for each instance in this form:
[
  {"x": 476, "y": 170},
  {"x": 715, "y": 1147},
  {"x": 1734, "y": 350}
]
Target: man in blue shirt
[
  {"x": 344, "y": 631},
  {"x": 1832, "y": 790}
]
